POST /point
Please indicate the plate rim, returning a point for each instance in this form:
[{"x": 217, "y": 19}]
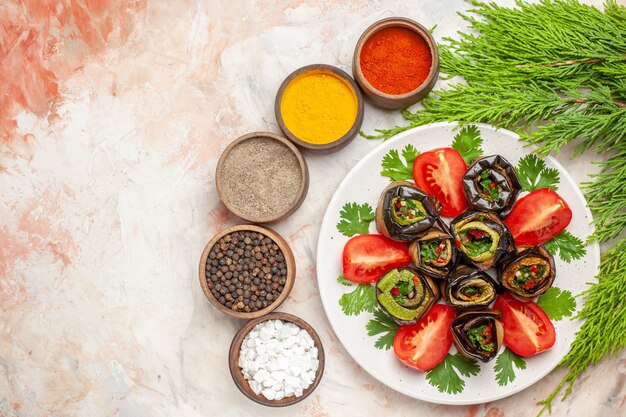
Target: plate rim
[{"x": 593, "y": 247}]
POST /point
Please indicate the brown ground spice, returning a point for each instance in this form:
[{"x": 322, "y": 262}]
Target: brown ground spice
[{"x": 261, "y": 178}]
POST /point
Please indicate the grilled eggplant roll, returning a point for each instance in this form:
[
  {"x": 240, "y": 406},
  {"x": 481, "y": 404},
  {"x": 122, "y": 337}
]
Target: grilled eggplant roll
[
  {"x": 406, "y": 294},
  {"x": 529, "y": 273},
  {"x": 434, "y": 253},
  {"x": 469, "y": 287},
  {"x": 478, "y": 334},
  {"x": 491, "y": 184},
  {"x": 481, "y": 238},
  {"x": 404, "y": 212}
]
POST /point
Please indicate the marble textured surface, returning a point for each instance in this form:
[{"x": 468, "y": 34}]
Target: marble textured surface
[{"x": 112, "y": 117}]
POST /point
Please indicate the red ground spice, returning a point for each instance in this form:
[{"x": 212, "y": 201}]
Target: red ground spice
[{"x": 395, "y": 60}]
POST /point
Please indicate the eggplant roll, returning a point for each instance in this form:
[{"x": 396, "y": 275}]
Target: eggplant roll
[
  {"x": 469, "y": 287},
  {"x": 404, "y": 212},
  {"x": 406, "y": 294},
  {"x": 529, "y": 273},
  {"x": 478, "y": 334},
  {"x": 481, "y": 238},
  {"x": 434, "y": 253},
  {"x": 491, "y": 184}
]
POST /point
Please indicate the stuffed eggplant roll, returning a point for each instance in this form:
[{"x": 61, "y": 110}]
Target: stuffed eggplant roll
[
  {"x": 469, "y": 287},
  {"x": 478, "y": 334},
  {"x": 481, "y": 238},
  {"x": 529, "y": 274},
  {"x": 404, "y": 212},
  {"x": 491, "y": 184},
  {"x": 434, "y": 253},
  {"x": 406, "y": 294}
]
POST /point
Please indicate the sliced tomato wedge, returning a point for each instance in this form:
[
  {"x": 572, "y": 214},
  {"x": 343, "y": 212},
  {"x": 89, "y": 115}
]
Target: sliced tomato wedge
[
  {"x": 367, "y": 257},
  {"x": 538, "y": 217},
  {"x": 423, "y": 345},
  {"x": 440, "y": 174},
  {"x": 527, "y": 328}
]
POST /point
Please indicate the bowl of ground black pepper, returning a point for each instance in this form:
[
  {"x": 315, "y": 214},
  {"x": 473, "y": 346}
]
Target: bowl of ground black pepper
[
  {"x": 247, "y": 271},
  {"x": 262, "y": 177},
  {"x": 396, "y": 62}
]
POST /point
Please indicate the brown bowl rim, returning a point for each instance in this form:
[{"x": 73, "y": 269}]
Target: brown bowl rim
[
  {"x": 242, "y": 383},
  {"x": 289, "y": 260},
  {"x": 336, "y": 144},
  {"x": 304, "y": 172},
  {"x": 404, "y": 22}
]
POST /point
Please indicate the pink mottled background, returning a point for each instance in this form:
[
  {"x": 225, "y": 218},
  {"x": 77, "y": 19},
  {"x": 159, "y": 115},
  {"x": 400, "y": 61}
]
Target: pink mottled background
[{"x": 112, "y": 117}]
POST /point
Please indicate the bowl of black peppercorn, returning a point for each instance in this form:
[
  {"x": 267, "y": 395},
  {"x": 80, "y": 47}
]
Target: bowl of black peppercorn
[{"x": 247, "y": 271}]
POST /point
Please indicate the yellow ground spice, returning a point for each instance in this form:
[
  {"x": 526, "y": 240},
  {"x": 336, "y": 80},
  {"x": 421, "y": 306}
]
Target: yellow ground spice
[{"x": 318, "y": 106}]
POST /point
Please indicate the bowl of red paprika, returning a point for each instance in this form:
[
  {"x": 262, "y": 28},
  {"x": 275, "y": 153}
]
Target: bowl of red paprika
[{"x": 396, "y": 62}]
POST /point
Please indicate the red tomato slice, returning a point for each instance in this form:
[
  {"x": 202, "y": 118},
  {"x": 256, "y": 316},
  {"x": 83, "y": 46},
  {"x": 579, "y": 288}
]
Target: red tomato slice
[
  {"x": 423, "y": 345},
  {"x": 440, "y": 174},
  {"x": 527, "y": 328},
  {"x": 538, "y": 217},
  {"x": 367, "y": 257}
]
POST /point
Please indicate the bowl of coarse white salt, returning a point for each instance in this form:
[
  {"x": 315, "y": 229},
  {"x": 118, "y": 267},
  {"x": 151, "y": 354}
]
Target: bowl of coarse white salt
[{"x": 276, "y": 360}]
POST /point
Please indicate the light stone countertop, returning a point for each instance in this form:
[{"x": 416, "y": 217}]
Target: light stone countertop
[{"x": 112, "y": 118}]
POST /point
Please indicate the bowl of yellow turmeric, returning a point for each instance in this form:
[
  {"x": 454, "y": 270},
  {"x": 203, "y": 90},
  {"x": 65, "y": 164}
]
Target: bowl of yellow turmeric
[{"x": 319, "y": 107}]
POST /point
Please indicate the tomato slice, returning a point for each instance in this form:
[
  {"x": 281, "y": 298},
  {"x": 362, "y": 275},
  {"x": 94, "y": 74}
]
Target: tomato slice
[
  {"x": 527, "y": 328},
  {"x": 367, "y": 257},
  {"x": 423, "y": 345},
  {"x": 538, "y": 217},
  {"x": 440, "y": 174}
]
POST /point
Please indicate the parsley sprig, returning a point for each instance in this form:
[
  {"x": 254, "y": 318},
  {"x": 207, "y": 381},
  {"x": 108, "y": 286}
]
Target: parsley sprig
[
  {"x": 362, "y": 298},
  {"x": 567, "y": 246},
  {"x": 395, "y": 168},
  {"x": 445, "y": 376},
  {"x": 533, "y": 174},
  {"x": 468, "y": 143},
  {"x": 382, "y": 324},
  {"x": 504, "y": 366},
  {"x": 557, "y": 303},
  {"x": 355, "y": 219}
]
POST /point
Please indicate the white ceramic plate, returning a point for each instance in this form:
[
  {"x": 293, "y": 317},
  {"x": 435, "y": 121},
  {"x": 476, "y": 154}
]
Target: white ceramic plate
[{"x": 364, "y": 184}]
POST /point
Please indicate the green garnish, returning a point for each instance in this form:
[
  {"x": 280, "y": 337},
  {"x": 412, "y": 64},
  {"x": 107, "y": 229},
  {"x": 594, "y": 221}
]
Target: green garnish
[
  {"x": 471, "y": 290},
  {"x": 361, "y": 299},
  {"x": 382, "y": 324},
  {"x": 557, "y": 303},
  {"x": 355, "y": 219},
  {"x": 468, "y": 142},
  {"x": 428, "y": 252},
  {"x": 490, "y": 190},
  {"x": 481, "y": 337},
  {"x": 478, "y": 246},
  {"x": 567, "y": 246},
  {"x": 396, "y": 169},
  {"x": 445, "y": 376},
  {"x": 528, "y": 277},
  {"x": 407, "y": 211},
  {"x": 533, "y": 174},
  {"x": 504, "y": 366}
]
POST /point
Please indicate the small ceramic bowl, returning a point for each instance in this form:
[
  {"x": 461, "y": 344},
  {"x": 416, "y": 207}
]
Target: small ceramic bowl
[
  {"x": 396, "y": 101},
  {"x": 337, "y": 143},
  {"x": 289, "y": 261},
  {"x": 240, "y": 380},
  {"x": 289, "y": 208}
]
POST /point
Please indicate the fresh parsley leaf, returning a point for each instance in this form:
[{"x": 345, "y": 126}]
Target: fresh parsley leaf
[
  {"x": 533, "y": 174},
  {"x": 477, "y": 247},
  {"x": 395, "y": 168},
  {"x": 382, "y": 324},
  {"x": 468, "y": 143},
  {"x": 363, "y": 298},
  {"x": 343, "y": 281},
  {"x": 355, "y": 219},
  {"x": 504, "y": 366},
  {"x": 567, "y": 246},
  {"x": 557, "y": 303},
  {"x": 444, "y": 376}
]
